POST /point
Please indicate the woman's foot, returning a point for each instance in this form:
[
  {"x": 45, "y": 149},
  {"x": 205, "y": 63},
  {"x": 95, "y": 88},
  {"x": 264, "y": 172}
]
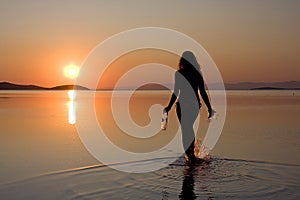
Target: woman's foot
[{"x": 190, "y": 158}]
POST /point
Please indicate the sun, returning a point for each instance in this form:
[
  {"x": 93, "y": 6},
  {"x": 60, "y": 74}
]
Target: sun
[{"x": 71, "y": 71}]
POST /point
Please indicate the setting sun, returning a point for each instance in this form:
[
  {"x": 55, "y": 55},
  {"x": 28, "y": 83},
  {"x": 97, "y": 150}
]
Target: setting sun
[{"x": 71, "y": 71}]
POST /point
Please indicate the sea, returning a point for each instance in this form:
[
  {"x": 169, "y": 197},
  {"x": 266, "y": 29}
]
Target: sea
[{"x": 44, "y": 154}]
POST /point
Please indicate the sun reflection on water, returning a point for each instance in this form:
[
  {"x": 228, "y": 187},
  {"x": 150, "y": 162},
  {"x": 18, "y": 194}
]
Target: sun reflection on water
[{"x": 72, "y": 106}]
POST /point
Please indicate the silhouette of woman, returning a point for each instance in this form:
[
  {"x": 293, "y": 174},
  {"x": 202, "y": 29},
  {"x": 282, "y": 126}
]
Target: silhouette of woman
[{"x": 188, "y": 81}]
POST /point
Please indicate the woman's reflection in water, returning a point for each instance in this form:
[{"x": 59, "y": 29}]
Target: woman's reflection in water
[
  {"x": 187, "y": 192},
  {"x": 201, "y": 171}
]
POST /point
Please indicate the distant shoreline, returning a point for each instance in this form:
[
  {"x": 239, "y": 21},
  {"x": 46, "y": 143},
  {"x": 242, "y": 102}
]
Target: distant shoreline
[
  {"x": 274, "y": 88},
  {"x": 291, "y": 85},
  {"x": 12, "y": 86}
]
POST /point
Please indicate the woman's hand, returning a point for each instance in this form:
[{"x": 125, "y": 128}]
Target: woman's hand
[
  {"x": 167, "y": 109},
  {"x": 211, "y": 113}
]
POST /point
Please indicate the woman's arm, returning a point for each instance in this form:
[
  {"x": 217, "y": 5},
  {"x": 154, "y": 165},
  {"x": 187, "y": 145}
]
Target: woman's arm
[
  {"x": 205, "y": 96},
  {"x": 174, "y": 94}
]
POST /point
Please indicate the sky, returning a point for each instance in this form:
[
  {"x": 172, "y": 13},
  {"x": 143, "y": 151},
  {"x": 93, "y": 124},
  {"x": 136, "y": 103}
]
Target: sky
[{"x": 255, "y": 41}]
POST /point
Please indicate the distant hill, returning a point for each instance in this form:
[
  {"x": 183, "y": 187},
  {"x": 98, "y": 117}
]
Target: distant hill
[
  {"x": 269, "y": 88},
  {"x": 287, "y": 85},
  {"x": 12, "y": 86},
  {"x": 152, "y": 86},
  {"x": 69, "y": 87}
]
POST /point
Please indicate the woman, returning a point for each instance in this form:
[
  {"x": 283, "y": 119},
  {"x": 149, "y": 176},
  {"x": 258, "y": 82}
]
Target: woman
[{"x": 188, "y": 81}]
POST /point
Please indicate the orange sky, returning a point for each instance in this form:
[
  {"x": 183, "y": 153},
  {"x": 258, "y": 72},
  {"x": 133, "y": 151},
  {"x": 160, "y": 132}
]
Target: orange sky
[{"x": 249, "y": 40}]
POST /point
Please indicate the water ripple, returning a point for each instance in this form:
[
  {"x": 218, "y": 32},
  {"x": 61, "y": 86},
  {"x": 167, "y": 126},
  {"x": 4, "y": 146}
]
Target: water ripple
[{"x": 217, "y": 179}]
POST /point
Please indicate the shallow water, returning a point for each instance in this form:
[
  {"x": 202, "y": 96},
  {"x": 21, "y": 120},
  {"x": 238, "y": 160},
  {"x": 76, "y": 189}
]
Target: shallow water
[
  {"x": 218, "y": 179},
  {"x": 256, "y": 157}
]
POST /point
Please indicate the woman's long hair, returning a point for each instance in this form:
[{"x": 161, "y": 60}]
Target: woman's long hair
[{"x": 188, "y": 62}]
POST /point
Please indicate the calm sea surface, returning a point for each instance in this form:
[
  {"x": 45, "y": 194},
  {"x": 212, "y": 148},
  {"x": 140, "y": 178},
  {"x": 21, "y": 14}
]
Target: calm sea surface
[{"x": 42, "y": 156}]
